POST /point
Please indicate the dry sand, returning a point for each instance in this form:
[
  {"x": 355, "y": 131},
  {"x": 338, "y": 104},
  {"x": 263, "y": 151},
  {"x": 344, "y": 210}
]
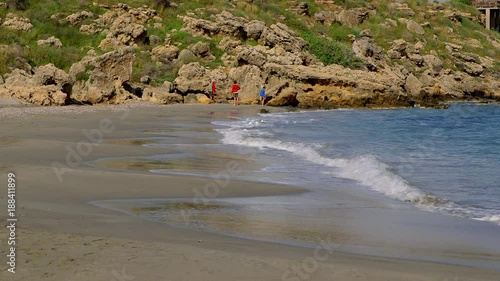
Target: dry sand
[{"x": 60, "y": 236}]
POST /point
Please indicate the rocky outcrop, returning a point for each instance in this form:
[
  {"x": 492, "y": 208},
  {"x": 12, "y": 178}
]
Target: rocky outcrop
[
  {"x": 197, "y": 98},
  {"x": 365, "y": 48},
  {"x": 192, "y": 78},
  {"x": 412, "y": 26},
  {"x": 107, "y": 75},
  {"x": 352, "y": 17},
  {"x": 50, "y": 42},
  {"x": 124, "y": 32},
  {"x": 201, "y": 50},
  {"x": 251, "y": 79},
  {"x": 47, "y": 86},
  {"x": 17, "y": 23},
  {"x": 161, "y": 95},
  {"x": 280, "y": 35},
  {"x": 77, "y": 18},
  {"x": 402, "y": 9},
  {"x": 164, "y": 53}
]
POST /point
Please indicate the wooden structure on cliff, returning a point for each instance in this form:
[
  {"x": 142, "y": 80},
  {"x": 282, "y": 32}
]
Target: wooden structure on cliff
[{"x": 491, "y": 8}]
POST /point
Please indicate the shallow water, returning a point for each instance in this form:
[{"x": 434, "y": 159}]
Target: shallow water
[{"x": 409, "y": 183}]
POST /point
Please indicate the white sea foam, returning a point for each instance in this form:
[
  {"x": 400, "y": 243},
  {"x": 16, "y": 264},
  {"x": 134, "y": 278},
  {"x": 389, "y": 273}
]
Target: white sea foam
[
  {"x": 493, "y": 218},
  {"x": 365, "y": 169}
]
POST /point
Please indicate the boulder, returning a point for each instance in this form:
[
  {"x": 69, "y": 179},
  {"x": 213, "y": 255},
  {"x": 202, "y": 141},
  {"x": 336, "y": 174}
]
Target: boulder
[
  {"x": 192, "y": 78},
  {"x": 231, "y": 25},
  {"x": 201, "y": 50},
  {"x": 303, "y": 8},
  {"x": 77, "y": 18},
  {"x": 254, "y": 29},
  {"x": 280, "y": 34},
  {"x": 200, "y": 27},
  {"x": 50, "y": 42},
  {"x": 17, "y": 23},
  {"x": 40, "y": 95},
  {"x": 414, "y": 27},
  {"x": 365, "y": 47},
  {"x": 197, "y": 98},
  {"x": 124, "y": 32},
  {"x": 249, "y": 55},
  {"x": 286, "y": 97},
  {"x": 227, "y": 44},
  {"x": 433, "y": 62},
  {"x": 161, "y": 95},
  {"x": 352, "y": 17},
  {"x": 185, "y": 56},
  {"x": 413, "y": 86},
  {"x": 51, "y": 75},
  {"x": 402, "y": 9},
  {"x": 108, "y": 74},
  {"x": 164, "y": 53},
  {"x": 90, "y": 29}
]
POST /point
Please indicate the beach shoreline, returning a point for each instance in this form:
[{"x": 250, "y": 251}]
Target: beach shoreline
[{"x": 62, "y": 236}]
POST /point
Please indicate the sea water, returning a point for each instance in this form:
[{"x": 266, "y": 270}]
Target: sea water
[
  {"x": 445, "y": 161},
  {"x": 409, "y": 183}
]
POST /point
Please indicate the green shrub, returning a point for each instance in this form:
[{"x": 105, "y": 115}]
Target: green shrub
[{"x": 331, "y": 52}]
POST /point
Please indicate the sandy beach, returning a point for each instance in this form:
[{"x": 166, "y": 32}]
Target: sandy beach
[{"x": 61, "y": 236}]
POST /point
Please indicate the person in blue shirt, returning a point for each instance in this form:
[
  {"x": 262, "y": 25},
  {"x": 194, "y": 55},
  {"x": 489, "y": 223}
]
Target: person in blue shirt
[{"x": 263, "y": 95}]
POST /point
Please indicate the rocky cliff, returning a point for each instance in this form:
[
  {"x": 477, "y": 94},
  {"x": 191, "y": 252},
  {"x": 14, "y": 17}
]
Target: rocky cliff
[{"x": 316, "y": 54}]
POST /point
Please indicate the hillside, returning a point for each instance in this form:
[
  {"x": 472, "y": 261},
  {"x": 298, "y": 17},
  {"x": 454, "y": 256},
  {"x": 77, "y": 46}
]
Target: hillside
[{"x": 327, "y": 54}]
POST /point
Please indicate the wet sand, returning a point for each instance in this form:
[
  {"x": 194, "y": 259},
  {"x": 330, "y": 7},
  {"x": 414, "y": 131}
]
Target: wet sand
[{"x": 63, "y": 237}]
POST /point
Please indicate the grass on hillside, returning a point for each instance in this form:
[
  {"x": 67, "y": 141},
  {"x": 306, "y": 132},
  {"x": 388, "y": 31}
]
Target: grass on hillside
[{"x": 329, "y": 44}]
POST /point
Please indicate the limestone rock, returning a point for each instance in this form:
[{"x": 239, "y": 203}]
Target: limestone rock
[
  {"x": 202, "y": 50},
  {"x": 192, "y": 78},
  {"x": 124, "y": 32},
  {"x": 227, "y": 44},
  {"x": 197, "y": 98},
  {"x": 17, "y": 23},
  {"x": 249, "y": 55},
  {"x": 251, "y": 79},
  {"x": 51, "y": 42},
  {"x": 164, "y": 53},
  {"x": 413, "y": 86},
  {"x": 303, "y": 8},
  {"x": 402, "y": 9},
  {"x": 40, "y": 95},
  {"x": 254, "y": 29},
  {"x": 200, "y": 27},
  {"x": 161, "y": 95},
  {"x": 90, "y": 29},
  {"x": 286, "y": 97},
  {"x": 79, "y": 17},
  {"x": 280, "y": 34},
  {"x": 414, "y": 27},
  {"x": 352, "y": 17},
  {"x": 433, "y": 62},
  {"x": 231, "y": 25},
  {"x": 108, "y": 74}
]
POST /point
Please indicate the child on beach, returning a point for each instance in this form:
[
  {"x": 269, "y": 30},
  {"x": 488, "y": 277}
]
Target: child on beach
[
  {"x": 263, "y": 95},
  {"x": 234, "y": 91}
]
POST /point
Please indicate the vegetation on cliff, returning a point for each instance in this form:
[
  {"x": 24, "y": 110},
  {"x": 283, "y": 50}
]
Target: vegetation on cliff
[{"x": 328, "y": 29}]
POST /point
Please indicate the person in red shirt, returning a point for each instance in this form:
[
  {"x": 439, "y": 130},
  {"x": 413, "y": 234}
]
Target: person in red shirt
[
  {"x": 213, "y": 89},
  {"x": 234, "y": 91}
]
